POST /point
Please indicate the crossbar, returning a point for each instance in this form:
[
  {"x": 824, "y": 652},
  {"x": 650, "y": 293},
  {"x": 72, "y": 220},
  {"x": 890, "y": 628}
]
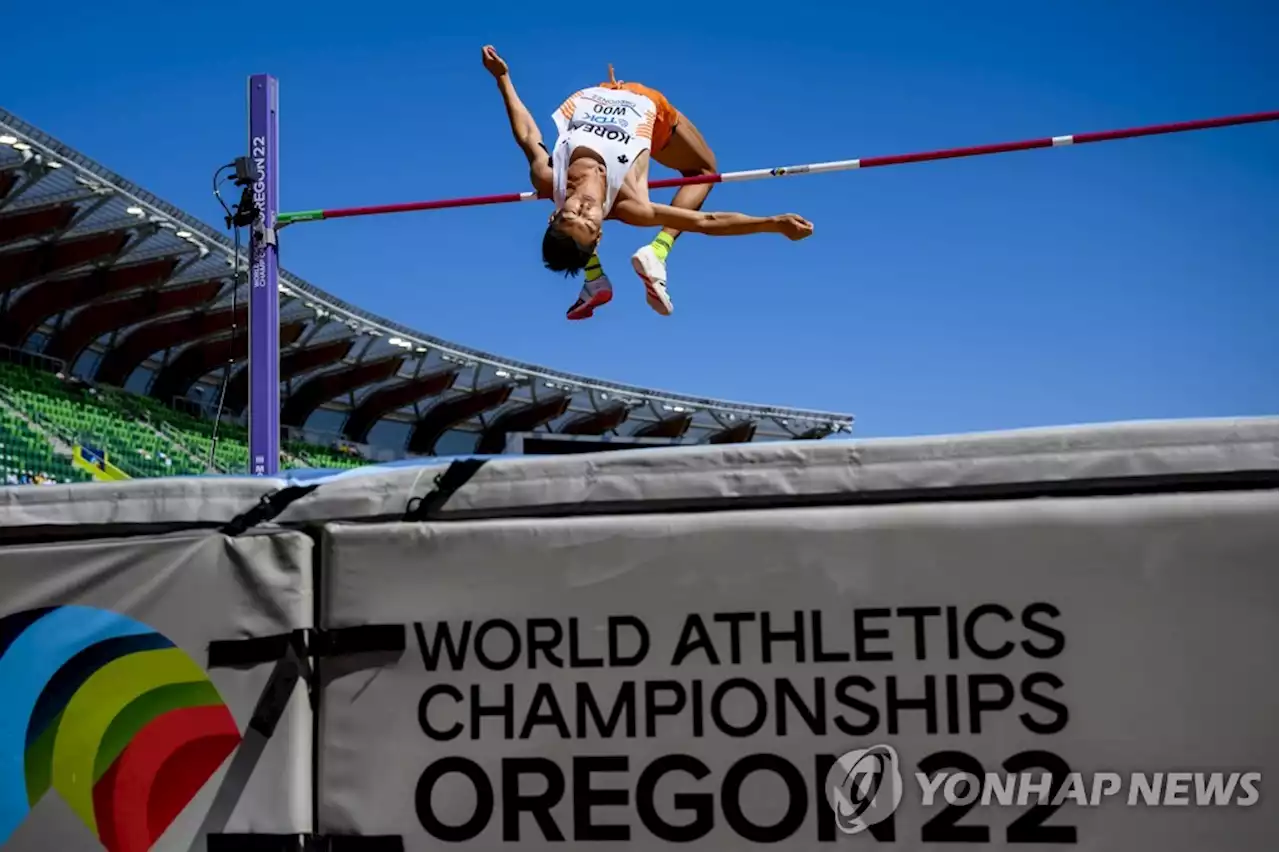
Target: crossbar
[{"x": 810, "y": 168}]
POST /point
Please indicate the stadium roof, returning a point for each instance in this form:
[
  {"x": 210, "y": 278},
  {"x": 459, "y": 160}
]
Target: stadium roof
[{"x": 109, "y": 278}]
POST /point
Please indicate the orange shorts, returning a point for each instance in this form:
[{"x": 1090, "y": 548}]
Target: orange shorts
[{"x": 668, "y": 116}]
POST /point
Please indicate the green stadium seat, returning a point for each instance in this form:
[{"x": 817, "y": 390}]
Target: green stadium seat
[
  {"x": 77, "y": 415},
  {"x": 140, "y": 435},
  {"x": 25, "y": 453}
]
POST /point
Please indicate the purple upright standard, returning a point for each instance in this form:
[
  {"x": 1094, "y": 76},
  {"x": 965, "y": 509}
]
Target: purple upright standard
[{"x": 264, "y": 271}]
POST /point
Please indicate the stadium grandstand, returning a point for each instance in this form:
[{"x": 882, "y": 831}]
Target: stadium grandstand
[{"x": 119, "y": 322}]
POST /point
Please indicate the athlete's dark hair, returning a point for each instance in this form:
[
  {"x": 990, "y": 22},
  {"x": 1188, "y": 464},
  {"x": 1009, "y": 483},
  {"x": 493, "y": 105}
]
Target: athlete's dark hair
[{"x": 560, "y": 253}]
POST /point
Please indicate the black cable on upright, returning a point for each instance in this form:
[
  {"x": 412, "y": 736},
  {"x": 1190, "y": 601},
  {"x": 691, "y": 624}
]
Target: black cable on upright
[{"x": 244, "y": 215}]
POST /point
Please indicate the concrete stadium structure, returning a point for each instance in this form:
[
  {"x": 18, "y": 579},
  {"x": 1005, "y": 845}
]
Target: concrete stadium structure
[{"x": 129, "y": 291}]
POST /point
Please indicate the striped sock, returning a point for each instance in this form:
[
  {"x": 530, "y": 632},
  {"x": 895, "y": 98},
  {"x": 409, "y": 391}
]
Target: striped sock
[
  {"x": 594, "y": 270},
  {"x": 662, "y": 245}
]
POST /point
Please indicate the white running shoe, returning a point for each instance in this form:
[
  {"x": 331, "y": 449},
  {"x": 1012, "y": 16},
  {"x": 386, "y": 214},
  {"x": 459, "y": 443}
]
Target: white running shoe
[
  {"x": 593, "y": 295},
  {"x": 654, "y": 274}
]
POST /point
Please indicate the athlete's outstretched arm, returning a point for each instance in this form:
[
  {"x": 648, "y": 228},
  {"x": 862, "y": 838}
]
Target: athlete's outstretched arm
[
  {"x": 523, "y": 127},
  {"x": 644, "y": 214}
]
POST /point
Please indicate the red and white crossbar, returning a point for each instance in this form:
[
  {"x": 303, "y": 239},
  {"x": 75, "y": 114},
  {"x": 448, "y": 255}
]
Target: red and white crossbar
[{"x": 811, "y": 168}]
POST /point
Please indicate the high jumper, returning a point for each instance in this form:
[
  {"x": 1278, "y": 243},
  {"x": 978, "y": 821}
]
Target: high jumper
[
  {"x": 598, "y": 169},
  {"x": 260, "y": 205}
]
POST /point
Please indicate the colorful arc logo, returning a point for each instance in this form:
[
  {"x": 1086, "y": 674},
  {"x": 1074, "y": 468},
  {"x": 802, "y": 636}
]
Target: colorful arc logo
[{"x": 123, "y": 724}]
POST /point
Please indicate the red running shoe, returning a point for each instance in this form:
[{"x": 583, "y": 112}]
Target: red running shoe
[{"x": 593, "y": 295}]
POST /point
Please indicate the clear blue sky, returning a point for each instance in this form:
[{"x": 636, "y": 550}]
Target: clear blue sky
[{"x": 1123, "y": 280}]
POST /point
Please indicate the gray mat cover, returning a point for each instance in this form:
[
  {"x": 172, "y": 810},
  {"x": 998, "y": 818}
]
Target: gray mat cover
[{"x": 684, "y": 474}]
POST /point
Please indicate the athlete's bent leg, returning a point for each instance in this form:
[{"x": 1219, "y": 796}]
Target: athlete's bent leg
[{"x": 689, "y": 154}]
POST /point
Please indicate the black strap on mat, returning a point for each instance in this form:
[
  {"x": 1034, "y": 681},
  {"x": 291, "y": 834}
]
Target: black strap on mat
[
  {"x": 292, "y": 654},
  {"x": 268, "y": 508},
  {"x": 306, "y": 643},
  {"x": 247, "y": 653},
  {"x": 289, "y": 652},
  {"x": 456, "y": 475},
  {"x": 362, "y": 639}
]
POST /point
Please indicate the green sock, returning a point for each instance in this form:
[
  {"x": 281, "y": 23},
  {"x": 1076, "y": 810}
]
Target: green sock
[
  {"x": 594, "y": 269},
  {"x": 662, "y": 245}
]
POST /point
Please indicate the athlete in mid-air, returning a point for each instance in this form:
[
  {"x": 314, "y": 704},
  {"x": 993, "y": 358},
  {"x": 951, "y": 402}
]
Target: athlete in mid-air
[{"x": 599, "y": 169}]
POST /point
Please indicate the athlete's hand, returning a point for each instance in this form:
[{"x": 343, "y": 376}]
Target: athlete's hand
[
  {"x": 494, "y": 63},
  {"x": 794, "y": 227}
]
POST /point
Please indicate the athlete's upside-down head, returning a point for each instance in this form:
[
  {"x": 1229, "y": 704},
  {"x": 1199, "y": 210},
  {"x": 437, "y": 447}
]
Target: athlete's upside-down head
[{"x": 573, "y": 232}]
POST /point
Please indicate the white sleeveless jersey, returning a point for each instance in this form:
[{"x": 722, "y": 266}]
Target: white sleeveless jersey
[{"x": 614, "y": 123}]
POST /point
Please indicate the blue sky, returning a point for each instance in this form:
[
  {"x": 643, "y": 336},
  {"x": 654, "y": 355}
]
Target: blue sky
[{"x": 1124, "y": 280}]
